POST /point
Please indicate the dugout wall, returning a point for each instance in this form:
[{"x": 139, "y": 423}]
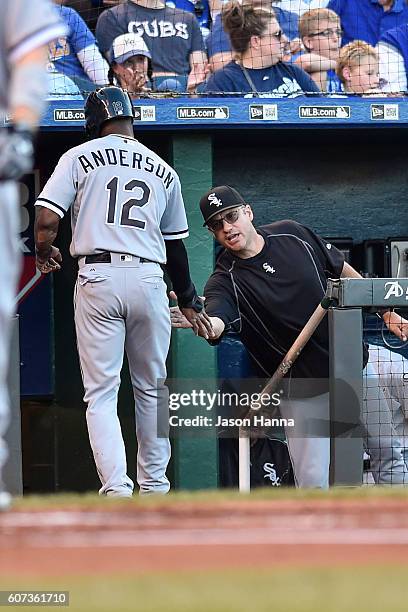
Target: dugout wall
[{"x": 343, "y": 177}]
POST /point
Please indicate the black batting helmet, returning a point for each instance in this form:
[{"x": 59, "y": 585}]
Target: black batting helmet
[{"x": 103, "y": 105}]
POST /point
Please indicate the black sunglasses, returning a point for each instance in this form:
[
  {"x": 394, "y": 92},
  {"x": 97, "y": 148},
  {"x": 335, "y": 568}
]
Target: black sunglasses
[
  {"x": 229, "y": 217},
  {"x": 329, "y": 32}
]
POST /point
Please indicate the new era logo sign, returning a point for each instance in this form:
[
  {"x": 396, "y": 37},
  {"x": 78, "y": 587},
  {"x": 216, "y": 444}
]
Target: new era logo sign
[
  {"x": 145, "y": 113},
  {"x": 265, "y": 112},
  {"x": 385, "y": 112}
]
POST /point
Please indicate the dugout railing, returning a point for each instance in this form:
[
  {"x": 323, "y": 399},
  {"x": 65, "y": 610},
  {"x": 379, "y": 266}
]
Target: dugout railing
[
  {"x": 346, "y": 382},
  {"x": 345, "y": 337}
]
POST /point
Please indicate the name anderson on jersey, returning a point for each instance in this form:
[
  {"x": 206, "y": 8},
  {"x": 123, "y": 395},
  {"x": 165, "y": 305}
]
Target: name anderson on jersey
[{"x": 127, "y": 159}]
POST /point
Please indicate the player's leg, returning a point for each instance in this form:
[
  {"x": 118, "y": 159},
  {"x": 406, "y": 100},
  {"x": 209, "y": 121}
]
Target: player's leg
[
  {"x": 147, "y": 344},
  {"x": 308, "y": 441},
  {"x": 393, "y": 370},
  {"x": 9, "y": 269},
  {"x": 386, "y": 459},
  {"x": 100, "y": 331}
]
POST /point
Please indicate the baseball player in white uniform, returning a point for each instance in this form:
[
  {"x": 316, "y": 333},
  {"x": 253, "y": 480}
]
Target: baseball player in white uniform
[
  {"x": 386, "y": 412},
  {"x": 128, "y": 218},
  {"x": 25, "y": 29}
]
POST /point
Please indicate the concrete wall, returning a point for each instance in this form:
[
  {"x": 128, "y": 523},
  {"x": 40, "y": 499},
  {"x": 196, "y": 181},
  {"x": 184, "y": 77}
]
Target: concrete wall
[{"x": 339, "y": 182}]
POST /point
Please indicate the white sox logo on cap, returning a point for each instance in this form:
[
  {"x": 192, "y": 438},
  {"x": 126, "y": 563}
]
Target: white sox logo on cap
[{"x": 212, "y": 198}]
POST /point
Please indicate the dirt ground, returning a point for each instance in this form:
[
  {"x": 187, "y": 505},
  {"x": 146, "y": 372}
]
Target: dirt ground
[{"x": 189, "y": 536}]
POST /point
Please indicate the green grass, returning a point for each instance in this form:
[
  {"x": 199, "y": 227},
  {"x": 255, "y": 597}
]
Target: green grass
[
  {"x": 210, "y": 497},
  {"x": 377, "y": 589}
]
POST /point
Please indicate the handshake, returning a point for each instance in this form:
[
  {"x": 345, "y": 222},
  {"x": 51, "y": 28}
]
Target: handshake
[{"x": 16, "y": 153}]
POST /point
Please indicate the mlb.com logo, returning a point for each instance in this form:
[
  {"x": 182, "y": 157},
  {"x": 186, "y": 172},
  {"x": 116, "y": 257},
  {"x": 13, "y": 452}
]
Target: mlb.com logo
[
  {"x": 385, "y": 112},
  {"x": 265, "y": 112},
  {"x": 324, "y": 112}
]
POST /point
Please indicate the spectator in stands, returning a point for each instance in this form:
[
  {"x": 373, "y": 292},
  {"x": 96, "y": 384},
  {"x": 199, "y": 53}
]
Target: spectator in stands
[
  {"x": 358, "y": 69},
  {"x": 393, "y": 54},
  {"x": 130, "y": 64},
  {"x": 77, "y": 55},
  {"x": 320, "y": 32},
  {"x": 368, "y": 19},
  {"x": 199, "y": 8},
  {"x": 172, "y": 36},
  {"x": 259, "y": 44},
  {"x": 219, "y": 49}
]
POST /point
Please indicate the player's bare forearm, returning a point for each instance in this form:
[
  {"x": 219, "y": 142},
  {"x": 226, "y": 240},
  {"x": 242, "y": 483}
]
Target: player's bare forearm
[
  {"x": 48, "y": 257},
  {"x": 396, "y": 324},
  {"x": 45, "y": 231}
]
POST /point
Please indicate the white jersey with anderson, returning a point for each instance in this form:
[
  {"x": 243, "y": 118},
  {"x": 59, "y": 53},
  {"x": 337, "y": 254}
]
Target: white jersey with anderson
[{"x": 123, "y": 197}]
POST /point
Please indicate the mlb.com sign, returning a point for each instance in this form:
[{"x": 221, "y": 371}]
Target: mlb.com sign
[
  {"x": 203, "y": 112},
  {"x": 324, "y": 112},
  {"x": 68, "y": 114}
]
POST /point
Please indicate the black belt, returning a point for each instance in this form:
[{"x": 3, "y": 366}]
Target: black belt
[{"x": 106, "y": 258}]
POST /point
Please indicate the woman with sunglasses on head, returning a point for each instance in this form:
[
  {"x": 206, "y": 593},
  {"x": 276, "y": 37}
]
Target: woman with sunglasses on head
[{"x": 258, "y": 68}]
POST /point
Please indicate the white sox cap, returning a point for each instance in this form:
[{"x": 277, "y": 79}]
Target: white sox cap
[
  {"x": 128, "y": 45},
  {"x": 219, "y": 199}
]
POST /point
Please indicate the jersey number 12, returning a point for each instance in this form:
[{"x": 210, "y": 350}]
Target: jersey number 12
[{"x": 126, "y": 207}]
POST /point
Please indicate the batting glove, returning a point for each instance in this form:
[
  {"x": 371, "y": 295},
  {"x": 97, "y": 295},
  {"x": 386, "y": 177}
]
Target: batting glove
[{"x": 16, "y": 153}]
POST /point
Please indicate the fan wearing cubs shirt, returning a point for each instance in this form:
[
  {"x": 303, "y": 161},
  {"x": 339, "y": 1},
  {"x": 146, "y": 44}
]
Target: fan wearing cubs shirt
[
  {"x": 266, "y": 284},
  {"x": 26, "y": 27},
  {"x": 128, "y": 219}
]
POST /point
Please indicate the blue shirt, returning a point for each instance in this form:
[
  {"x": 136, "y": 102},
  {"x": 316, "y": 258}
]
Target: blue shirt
[
  {"x": 333, "y": 83},
  {"x": 189, "y": 5},
  {"x": 366, "y": 19},
  {"x": 280, "y": 80},
  {"x": 63, "y": 51},
  {"x": 218, "y": 40},
  {"x": 398, "y": 38}
]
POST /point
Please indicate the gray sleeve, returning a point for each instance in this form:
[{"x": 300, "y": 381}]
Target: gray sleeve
[
  {"x": 60, "y": 190},
  {"x": 29, "y": 25},
  {"x": 173, "y": 224}
]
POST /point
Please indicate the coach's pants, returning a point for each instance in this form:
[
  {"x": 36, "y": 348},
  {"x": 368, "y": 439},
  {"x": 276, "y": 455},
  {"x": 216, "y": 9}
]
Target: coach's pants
[
  {"x": 309, "y": 441},
  {"x": 9, "y": 270}
]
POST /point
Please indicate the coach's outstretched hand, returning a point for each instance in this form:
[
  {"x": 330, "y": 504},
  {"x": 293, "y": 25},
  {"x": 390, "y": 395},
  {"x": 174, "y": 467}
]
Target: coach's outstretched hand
[
  {"x": 397, "y": 325},
  {"x": 185, "y": 318}
]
